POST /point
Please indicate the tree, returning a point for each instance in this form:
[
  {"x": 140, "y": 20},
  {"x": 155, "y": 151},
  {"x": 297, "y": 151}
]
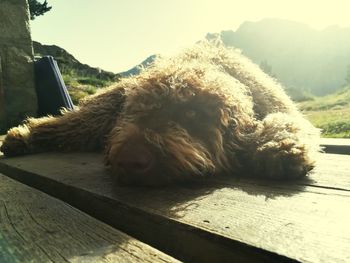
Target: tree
[{"x": 37, "y": 9}]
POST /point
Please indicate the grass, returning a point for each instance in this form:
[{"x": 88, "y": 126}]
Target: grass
[
  {"x": 80, "y": 87},
  {"x": 335, "y": 123},
  {"x": 330, "y": 113}
]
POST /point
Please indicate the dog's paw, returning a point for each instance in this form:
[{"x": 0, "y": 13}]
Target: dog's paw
[
  {"x": 282, "y": 160},
  {"x": 16, "y": 142}
]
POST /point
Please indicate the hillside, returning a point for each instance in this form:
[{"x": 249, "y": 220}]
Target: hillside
[
  {"x": 331, "y": 113},
  {"x": 300, "y": 57},
  {"x": 80, "y": 79}
]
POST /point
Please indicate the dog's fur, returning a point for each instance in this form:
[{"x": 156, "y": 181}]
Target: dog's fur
[{"x": 206, "y": 111}]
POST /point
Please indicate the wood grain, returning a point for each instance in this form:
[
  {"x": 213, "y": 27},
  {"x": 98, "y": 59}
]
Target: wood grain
[
  {"x": 219, "y": 221},
  {"x": 37, "y": 228}
]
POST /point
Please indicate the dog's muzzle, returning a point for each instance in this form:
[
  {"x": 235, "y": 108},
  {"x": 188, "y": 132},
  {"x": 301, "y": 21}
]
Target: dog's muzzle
[
  {"x": 135, "y": 160},
  {"x": 135, "y": 164}
]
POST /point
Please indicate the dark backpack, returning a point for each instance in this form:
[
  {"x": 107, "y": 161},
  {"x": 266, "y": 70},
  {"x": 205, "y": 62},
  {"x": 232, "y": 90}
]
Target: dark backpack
[{"x": 51, "y": 91}]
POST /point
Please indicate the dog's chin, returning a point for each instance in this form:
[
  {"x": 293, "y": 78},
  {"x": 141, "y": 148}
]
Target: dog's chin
[{"x": 147, "y": 177}]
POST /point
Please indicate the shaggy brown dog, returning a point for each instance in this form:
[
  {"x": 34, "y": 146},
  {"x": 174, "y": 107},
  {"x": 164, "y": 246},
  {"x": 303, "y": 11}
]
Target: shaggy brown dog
[{"x": 207, "y": 111}]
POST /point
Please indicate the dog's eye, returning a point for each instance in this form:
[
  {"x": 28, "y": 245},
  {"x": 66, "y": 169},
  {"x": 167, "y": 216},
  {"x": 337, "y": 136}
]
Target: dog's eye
[{"x": 190, "y": 114}]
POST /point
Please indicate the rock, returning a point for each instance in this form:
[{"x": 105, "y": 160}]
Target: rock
[{"x": 17, "y": 89}]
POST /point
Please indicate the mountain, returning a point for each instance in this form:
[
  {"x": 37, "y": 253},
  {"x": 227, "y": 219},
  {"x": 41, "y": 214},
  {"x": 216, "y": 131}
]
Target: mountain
[
  {"x": 68, "y": 64},
  {"x": 137, "y": 69},
  {"x": 300, "y": 57}
]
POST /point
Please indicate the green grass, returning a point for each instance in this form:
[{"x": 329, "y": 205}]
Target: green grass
[
  {"x": 80, "y": 87},
  {"x": 335, "y": 123},
  {"x": 330, "y": 113}
]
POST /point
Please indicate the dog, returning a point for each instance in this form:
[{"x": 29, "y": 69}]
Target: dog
[{"x": 206, "y": 111}]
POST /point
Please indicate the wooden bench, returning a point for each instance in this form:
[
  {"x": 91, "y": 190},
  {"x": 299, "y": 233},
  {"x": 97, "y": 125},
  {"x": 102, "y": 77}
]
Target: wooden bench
[{"x": 231, "y": 220}]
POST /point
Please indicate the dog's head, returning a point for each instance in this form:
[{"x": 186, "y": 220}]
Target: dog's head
[{"x": 178, "y": 124}]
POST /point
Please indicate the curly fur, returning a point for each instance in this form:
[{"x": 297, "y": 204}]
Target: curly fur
[{"x": 206, "y": 111}]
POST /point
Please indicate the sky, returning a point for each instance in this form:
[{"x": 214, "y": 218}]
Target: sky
[{"x": 116, "y": 35}]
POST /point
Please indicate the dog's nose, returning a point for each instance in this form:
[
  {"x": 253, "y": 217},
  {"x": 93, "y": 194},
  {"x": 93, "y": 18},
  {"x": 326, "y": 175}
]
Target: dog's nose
[{"x": 137, "y": 159}]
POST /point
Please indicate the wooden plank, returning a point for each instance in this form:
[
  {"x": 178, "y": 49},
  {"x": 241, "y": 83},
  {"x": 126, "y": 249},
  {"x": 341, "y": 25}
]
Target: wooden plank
[
  {"x": 35, "y": 227},
  {"x": 329, "y": 145},
  {"x": 338, "y": 146},
  {"x": 335, "y": 141},
  {"x": 223, "y": 221},
  {"x": 332, "y": 171}
]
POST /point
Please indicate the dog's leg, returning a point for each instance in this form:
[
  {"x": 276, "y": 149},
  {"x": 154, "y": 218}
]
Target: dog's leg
[
  {"x": 284, "y": 147},
  {"x": 84, "y": 129}
]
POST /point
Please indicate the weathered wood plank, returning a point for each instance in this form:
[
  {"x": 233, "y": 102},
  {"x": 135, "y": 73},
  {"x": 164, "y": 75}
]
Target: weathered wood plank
[
  {"x": 330, "y": 145},
  {"x": 232, "y": 220},
  {"x": 35, "y": 227},
  {"x": 338, "y": 146},
  {"x": 331, "y": 171},
  {"x": 335, "y": 141}
]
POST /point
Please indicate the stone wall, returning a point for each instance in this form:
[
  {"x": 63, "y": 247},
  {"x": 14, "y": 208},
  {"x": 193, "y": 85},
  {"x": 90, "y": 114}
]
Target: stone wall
[
  {"x": 2, "y": 104},
  {"x": 17, "y": 90}
]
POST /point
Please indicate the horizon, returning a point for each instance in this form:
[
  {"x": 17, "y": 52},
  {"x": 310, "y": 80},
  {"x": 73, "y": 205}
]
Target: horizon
[{"x": 121, "y": 36}]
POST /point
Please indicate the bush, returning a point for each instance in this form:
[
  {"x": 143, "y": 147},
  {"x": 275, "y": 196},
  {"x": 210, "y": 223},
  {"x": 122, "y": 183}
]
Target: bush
[
  {"x": 93, "y": 82},
  {"x": 90, "y": 90},
  {"x": 336, "y": 128}
]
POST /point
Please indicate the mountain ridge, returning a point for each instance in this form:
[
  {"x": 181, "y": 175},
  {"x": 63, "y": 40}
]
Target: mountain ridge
[
  {"x": 67, "y": 62},
  {"x": 300, "y": 57}
]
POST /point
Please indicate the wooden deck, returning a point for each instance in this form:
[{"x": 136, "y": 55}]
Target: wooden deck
[
  {"x": 38, "y": 228},
  {"x": 232, "y": 220}
]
